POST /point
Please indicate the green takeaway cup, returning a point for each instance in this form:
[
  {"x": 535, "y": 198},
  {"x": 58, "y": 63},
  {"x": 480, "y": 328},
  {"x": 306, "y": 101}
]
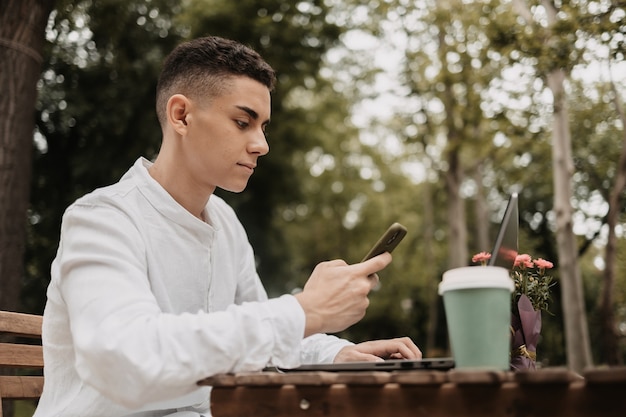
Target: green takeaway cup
[{"x": 477, "y": 303}]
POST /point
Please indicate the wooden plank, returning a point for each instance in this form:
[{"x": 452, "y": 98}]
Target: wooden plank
[
  {"x": 609, "y": 375},
  {"x": 447, "y": 400},
  {"x": 419, "y": 377},
  {"x": 271, "y": 379},
  {"x": 20, "y": 324},
  {"x": 547, "y": 376},
  {"x": 15, "y": 355},
  {"x": 21, "y": 387},
  {"x": 462, "y": 376},
  {"x": 221, "y": 380},
  {"x": 307, "y": 378},
  {"x": 363, "y": 378}
]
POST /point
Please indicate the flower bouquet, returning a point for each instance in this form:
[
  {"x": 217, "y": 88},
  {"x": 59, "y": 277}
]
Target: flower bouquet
[{"x": 530, "y": 296}]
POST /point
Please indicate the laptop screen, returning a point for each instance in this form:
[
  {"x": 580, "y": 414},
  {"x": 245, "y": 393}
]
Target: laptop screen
[{"x": 505, "y": 248}]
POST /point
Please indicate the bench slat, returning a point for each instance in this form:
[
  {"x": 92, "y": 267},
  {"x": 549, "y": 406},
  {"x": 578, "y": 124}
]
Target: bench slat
[
  {"x": 14, "y": 355},
  {"x": 20, "y": 324},
  {"x": 22, "y": 387},
  {"x": 19, "y": 358}
]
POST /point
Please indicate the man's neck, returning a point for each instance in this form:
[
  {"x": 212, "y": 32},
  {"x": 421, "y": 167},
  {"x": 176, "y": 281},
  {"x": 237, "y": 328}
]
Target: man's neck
[{"x": 179, "y": 186}]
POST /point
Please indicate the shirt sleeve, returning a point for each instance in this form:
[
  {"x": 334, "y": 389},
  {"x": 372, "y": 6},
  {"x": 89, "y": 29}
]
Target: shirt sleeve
[
  {"x": 321, "y": 348},
  {"x": 131, "y": 351}
]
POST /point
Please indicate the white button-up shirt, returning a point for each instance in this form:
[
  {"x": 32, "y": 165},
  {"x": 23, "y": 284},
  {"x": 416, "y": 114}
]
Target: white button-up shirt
[{"x": 146, "y": 299}]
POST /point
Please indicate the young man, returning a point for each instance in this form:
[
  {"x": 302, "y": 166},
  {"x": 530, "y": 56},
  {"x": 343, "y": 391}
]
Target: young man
[{"x": 154, "y": 285}]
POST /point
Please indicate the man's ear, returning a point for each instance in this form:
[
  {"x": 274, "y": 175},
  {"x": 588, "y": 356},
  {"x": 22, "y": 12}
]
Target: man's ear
[{"x": 177, "y": 109}]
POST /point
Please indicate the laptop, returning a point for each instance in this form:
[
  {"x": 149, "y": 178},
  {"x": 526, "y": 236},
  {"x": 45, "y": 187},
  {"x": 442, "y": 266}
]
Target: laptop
[
  {"x": 433, "y": 364},
  {"x": 503, "y": 254},
  {"x": 505, "y": 247}
]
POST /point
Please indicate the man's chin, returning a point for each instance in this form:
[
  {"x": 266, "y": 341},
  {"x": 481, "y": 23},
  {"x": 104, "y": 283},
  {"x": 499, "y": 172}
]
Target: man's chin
[{"x": 235, "y": 190}]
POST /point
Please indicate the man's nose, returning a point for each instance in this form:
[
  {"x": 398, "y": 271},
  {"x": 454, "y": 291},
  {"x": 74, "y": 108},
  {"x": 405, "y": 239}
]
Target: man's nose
[{"x": 259, "y": 144}]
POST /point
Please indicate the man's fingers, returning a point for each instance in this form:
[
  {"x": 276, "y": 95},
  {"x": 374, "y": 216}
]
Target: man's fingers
[
  {"x": 408, "y": 350},
  {"x": 375, "y": 264},
  {"x": 374, "y": 281},
  {"x": 400, "y": 348},
  {"x": 334, "y": 262}
]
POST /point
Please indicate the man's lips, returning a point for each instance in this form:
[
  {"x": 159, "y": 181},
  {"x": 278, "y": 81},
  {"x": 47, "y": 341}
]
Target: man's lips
[{"x": 247, "y": 165}]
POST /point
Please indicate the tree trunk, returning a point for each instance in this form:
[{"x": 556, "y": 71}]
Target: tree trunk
[
  {"x": 457, "y": 236},
  {"x": 577, "y": 342},
  {"x": 428, "y": 238},
  {"x": 574, "y": 315},
  {"x": 481, "y": 214},
  {"x": 22, "y": 35},
  {"x": 610, "y": 339}
]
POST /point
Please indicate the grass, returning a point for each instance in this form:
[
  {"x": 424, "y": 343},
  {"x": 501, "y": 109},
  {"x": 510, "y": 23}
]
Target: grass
[{"x": 24, "y": 408}]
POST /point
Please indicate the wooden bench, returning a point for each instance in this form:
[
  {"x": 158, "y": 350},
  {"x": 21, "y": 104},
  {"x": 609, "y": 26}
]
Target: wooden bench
[{"x": 21, "y": 356}]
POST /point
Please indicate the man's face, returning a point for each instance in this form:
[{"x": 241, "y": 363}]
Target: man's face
[{"x": 226, "y": 136}]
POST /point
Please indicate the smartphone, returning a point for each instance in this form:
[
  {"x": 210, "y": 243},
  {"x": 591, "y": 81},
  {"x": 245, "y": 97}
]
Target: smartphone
[{"x": 388, "y": 241}]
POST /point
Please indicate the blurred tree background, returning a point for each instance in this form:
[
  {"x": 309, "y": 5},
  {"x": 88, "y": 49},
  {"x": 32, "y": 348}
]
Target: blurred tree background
[{"x": 428, "y": 113}]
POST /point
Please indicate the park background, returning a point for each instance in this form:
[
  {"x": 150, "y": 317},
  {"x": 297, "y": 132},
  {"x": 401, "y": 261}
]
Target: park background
[{"x": 425, "y": 112}]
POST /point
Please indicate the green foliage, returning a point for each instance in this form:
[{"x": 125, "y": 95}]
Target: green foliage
[
  {"x": 472, "y": 69},
  {"x": 95, "y": 112},
  {"x": 475, "y": 75},
  {"x": 96, "y": 107}
]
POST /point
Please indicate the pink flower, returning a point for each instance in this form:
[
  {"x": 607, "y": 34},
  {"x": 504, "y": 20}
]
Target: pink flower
[
  {"x": 481, "y": 257},
  {"x": 543, "y": 264},
  {"x": 523, "y": 261},
  {"x": 529, "y": 277}
]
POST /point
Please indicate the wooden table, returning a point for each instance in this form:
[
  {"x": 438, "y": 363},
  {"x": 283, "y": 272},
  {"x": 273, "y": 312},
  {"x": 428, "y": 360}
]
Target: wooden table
[{"x": 551, "y": 392}]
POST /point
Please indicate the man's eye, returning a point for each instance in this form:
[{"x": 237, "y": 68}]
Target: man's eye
[{"x": 241, "y": 124}]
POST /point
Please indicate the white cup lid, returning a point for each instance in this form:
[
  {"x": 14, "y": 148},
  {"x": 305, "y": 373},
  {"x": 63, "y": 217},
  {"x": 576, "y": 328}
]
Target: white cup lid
[{"x": 476, "y": 277}]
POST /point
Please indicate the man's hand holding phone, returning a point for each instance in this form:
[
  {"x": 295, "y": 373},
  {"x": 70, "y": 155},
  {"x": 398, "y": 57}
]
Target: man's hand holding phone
[{"x": 335, "y": 296}]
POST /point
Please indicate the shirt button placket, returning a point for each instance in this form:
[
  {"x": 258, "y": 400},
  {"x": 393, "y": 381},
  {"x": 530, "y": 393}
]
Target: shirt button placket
[{"x": 209, "y": 272}]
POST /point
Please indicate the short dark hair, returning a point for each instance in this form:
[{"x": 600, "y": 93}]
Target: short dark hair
[{"x": 204, "y": 65}]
